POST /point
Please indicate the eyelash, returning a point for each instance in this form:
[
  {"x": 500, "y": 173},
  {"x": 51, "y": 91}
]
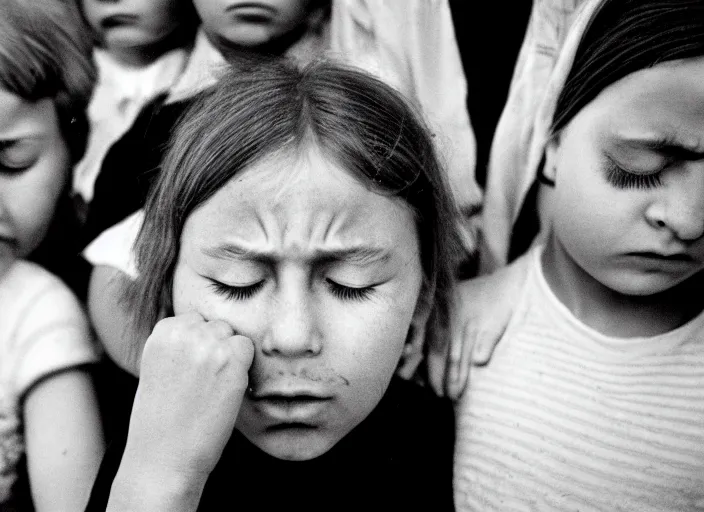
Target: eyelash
[
  {"x": 247, "y": 292},
  {"x": 621, "y": 178},
  {"x": 236, "y": 292},
  {"x": 349, "y": 293}
]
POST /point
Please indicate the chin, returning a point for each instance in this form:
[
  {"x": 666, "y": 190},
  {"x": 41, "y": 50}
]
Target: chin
[
  {"x": 294, "y": 444},
  {"x": 642, "y": 285},
  {"x": 248, "y": 38},
  {"x": 127, "y": 39}
]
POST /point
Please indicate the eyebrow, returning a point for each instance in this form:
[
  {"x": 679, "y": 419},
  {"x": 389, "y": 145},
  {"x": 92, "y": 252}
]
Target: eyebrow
[
  {"x": 666, "y": 145},
  {"x": 359, "y": 255}
]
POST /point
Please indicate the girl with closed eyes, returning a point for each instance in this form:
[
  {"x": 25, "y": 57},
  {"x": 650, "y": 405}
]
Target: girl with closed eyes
[
  {"x": 594, "y": 396},
  {"x": 299, "y": 242}
]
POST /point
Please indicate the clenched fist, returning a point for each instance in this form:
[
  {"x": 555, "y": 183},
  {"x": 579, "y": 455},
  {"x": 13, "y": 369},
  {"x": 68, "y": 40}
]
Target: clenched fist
[{"x": 192, "y": 380}]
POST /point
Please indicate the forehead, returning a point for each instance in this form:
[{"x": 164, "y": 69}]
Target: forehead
[
  {"x": 293, "y": 202},
  {"x": 18, "y": 115},
  {"x": 667, "y": 97}
]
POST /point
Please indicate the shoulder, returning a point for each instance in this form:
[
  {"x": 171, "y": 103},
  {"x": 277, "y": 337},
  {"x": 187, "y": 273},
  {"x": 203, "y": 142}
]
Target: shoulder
[
  {"x": 28, "y": 285},
  {"x": 113, "y": 247},
  {"x": 45, "y": 326}
]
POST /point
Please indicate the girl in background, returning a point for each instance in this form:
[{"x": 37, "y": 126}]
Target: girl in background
[
  {"x": 141, "y": 50},
  {"x": 48, "y": 406}
]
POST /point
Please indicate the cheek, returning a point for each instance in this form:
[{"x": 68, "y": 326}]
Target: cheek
[
  {"x": 370, "y": 341},
  {"x": 187, "y": 293},
  {"x": 179, "y": 290},
  {"x": 296, "y": 12},
  {"x": 585, "y": 206},
  {"x": 32, "y": 201},
  {"x": 192, "y": 293}
]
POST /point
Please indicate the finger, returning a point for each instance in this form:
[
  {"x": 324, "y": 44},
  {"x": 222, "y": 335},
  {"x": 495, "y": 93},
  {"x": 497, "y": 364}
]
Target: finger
[
  {"x": 458, "y": 346},
  {"x": 437, "y": 364},
  {"x": 220, "y": 328},
  {"x": 484, "y": 347},
  {"x": 413, "y": 350},
  {"x": 460, "y": 366},
  {"x": 189, "y": 318},
  {"x": 243, "y": 348},
  {"x": 409, "y": 365}
]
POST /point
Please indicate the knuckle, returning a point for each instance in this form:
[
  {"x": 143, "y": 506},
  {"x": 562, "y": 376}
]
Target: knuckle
[{"x": 219, "y": 328}]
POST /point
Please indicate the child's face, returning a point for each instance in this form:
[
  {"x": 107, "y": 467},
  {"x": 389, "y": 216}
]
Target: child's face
[
  {"x": 629, "y": 170},
  {"x": 34, "y": 164},
  {"x": 251, "y": 24},
  {"x": 323, "y": 275},
  {"x": 132, "y": 24}
]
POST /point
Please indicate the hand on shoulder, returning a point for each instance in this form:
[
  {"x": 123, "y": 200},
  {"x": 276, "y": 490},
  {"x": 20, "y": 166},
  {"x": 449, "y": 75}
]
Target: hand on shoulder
[{"x": 482, "y": 309}]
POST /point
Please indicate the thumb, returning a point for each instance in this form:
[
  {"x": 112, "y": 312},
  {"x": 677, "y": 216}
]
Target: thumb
[{"x": 484, "y": 346}]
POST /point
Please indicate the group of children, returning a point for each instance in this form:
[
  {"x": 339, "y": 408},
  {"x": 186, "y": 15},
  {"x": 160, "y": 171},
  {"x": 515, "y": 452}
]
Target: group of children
[{"x": 276, "y": 198}]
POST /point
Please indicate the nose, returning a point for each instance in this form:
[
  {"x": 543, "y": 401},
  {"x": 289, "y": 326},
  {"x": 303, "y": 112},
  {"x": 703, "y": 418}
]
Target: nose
[
  {"x": 293, "y": 327},
  {"x": 682, "y": 208}
]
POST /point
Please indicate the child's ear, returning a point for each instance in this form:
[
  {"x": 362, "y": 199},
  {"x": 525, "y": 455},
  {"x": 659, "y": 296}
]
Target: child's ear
[
  {"x": 551, "y": 152},
  {"x": 415, "y": 340}
]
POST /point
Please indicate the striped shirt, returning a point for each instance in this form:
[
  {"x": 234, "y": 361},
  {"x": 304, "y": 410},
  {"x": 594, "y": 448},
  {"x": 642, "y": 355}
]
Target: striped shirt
[{"x": 567, "y": 419}]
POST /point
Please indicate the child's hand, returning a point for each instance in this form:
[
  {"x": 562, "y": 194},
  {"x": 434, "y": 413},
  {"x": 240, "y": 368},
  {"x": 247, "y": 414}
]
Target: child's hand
[
  {"x": 482, "y": 310},
  {"x": 192, "y": 380}
]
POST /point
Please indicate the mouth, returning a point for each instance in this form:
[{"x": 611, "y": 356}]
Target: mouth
[
  {"x": 291, "y": 408},
  {"x": 292, "y": 396},
  {"x": 252, "y": 12},
  {"x": 118, "y": 20},
  {"x": 7, "y": 241}
]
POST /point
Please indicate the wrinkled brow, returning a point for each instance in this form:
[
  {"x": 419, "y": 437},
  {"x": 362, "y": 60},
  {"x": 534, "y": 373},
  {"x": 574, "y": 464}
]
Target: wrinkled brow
[{"x": 360, "y": 255}]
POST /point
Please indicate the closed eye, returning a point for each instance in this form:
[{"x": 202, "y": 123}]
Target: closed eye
[
  {"x": 621, "y": 178},
  {"x": 348, "y": 292},
  {"x": 235, "y": 292},
  {"x": 17, "y": 155}
]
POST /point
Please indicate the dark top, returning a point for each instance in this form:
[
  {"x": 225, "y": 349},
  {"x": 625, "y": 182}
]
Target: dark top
[
  {"x": 130, "y": 166},
  {"x": 398, "y": 458},
  {"x": 489, "y": 36}
]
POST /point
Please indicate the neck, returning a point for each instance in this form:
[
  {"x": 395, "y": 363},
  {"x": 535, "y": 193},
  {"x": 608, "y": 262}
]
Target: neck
[{"x": 615, "y": 314}]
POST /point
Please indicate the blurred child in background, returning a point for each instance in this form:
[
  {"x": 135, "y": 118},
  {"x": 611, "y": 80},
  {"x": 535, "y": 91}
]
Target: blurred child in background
[
  {"x": 48, "y": 408},
  {"x": 141, "y": 49}
]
